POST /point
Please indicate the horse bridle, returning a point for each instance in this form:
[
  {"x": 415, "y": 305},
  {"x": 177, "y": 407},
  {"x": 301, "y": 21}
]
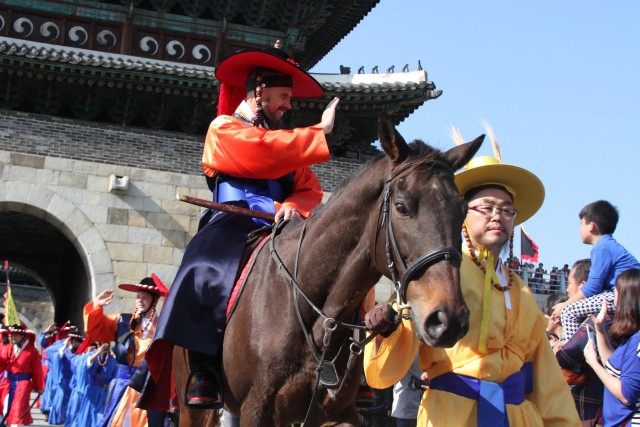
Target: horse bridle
[
  {"x": 391, "y": 252},
  {"x": 391, "y": 247}
]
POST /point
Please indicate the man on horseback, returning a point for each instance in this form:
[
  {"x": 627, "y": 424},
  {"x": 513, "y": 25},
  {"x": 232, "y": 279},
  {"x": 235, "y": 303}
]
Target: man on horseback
[
  {"x": 503, "y": 371},
  {"x": 250, "y": 162}
]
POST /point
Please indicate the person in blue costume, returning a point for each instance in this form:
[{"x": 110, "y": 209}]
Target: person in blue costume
[
  {"x": 78, "y": 386},
  {"x": 101, "y": 369},
  {"x": 61, "y": 362},
  {"x": 53, "y": 335}
]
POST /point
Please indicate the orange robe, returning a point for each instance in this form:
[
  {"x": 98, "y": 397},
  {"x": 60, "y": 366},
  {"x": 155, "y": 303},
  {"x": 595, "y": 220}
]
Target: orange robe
[
  {"x": 103, "y": 328},
  {"x": 243, "y": 151}
]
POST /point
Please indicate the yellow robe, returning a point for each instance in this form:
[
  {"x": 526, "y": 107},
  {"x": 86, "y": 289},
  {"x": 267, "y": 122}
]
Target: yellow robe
[
  {"x": 103, "y": 328},
  {"x": 516, "y": 336}
]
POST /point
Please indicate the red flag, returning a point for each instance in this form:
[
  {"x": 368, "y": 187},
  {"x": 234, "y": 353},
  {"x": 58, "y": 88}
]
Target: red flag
[{"x": 528, "y": 248}]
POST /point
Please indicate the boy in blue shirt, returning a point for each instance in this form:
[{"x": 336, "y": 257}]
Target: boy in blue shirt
[{"x": 608, "y": 259}]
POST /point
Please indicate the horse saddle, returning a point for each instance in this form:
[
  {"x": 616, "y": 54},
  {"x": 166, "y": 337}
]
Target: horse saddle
[{"x": 255, "y": 240}]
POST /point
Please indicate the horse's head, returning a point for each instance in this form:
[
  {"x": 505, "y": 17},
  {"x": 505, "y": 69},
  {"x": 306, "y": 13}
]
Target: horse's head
[{"x": 419, "y": 233}]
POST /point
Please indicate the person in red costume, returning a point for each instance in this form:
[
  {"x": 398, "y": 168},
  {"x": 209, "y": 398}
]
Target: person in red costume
[
  {"x": 22, "y": 362},
  {"x": 4, "y": 382},
  {"x": 248, "y": 161}
]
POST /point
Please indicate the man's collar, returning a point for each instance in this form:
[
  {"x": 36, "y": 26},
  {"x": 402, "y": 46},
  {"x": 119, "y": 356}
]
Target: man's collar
[{"x": 245, "y": 111}]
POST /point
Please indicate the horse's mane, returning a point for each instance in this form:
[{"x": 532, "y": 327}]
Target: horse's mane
[{"x": 420, "y": 152}]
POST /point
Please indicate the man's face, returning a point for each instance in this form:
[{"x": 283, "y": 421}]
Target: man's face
[
  {"x": 275, "y": 102},
  {"x": 143, "y": 301},
  {"x": 492, "y": 231},
  {"x": 572, "y": 284},
  {"x": 16, "y": 338}
]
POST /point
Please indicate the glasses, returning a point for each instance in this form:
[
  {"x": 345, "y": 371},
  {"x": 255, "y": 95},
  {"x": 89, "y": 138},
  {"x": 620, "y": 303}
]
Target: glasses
[{"x": 490, "y": 210}]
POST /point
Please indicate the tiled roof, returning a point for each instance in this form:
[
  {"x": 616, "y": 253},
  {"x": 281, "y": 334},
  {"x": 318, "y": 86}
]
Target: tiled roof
[
  {"x": 85, "y": 57},
  {"x": 375, "y": 83},
  {"x": 334, "y": 83}
]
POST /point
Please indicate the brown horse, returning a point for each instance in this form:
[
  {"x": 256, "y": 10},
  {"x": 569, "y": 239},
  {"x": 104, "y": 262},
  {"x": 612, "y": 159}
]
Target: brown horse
[{"x": 401, "y": 217}]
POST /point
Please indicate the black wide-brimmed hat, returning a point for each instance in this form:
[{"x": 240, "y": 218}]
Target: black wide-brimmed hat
[{"x": 152, "y": 285}]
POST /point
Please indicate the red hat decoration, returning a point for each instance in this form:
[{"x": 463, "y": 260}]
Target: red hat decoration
[{"x": 152, "y": 285}]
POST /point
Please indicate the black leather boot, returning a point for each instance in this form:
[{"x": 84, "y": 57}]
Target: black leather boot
[{"x": 204, "y": 385}]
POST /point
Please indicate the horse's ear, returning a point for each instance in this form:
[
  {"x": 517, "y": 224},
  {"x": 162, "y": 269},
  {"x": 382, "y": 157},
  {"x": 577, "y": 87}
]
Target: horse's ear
[
  {"x": 460, "y": 155},
  {"x": 391, "y": 141}
]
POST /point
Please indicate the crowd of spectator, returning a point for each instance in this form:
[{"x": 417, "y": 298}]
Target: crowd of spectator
[{"x": 538, "y": 278}]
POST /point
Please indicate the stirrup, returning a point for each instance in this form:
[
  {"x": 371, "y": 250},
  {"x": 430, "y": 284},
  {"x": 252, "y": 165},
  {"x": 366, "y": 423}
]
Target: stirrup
[{"x": 215, "y": 404}]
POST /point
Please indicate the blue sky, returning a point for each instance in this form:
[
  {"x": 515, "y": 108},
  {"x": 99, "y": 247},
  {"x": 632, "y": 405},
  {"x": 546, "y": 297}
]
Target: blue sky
[{"x": 559, "y": 82}]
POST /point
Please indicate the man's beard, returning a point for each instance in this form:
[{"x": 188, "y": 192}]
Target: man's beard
[{"x": 272, "y": 120}]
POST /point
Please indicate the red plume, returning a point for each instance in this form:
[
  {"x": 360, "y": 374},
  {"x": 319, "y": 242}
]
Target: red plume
[
  {"x": 229, "y": 99},
  {"x": 161, "y": 287},
  {"x": 85, "y": 344}
]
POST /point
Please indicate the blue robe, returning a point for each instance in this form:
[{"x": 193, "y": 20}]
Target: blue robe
[
  {"x": 94, "y": 400},
  {"x": 78, "y": 387},
  {"x": 61, "y": 361},
  {"x": 45, "y": 399}
]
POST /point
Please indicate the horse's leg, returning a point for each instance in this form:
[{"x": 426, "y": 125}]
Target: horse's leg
[{"x": 189, "y": 417}]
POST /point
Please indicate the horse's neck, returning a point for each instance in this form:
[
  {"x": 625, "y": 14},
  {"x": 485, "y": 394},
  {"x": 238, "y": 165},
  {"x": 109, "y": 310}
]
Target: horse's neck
[{"x": 343, "y": 253}]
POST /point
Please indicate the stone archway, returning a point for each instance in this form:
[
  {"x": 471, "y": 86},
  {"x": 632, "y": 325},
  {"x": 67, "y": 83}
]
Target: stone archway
[
  {"x": 50, "y": 236},
  {"x": 33, "y": 299}
]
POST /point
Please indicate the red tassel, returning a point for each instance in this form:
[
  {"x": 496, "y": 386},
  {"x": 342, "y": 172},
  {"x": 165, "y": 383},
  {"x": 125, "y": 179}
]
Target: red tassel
[{"x": 229, "y": 99}]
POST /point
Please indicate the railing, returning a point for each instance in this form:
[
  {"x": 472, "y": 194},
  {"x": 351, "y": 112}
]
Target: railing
[{"x": 548, "y": 283}]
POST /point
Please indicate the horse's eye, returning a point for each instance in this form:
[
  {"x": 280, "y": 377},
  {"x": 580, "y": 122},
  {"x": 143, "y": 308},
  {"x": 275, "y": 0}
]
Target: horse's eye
[{"x": 401, "y": 209}]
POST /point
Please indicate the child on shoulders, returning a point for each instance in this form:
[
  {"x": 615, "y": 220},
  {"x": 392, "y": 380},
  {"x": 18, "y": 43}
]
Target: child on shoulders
[{"x": 608, "y": 259}]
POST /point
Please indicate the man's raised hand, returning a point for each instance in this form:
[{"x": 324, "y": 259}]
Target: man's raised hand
[{"x": 329, "y": 116}]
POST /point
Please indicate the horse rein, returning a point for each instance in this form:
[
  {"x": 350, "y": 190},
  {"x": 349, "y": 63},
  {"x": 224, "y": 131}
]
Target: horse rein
[
  {"x": 391, "y": 247},
  {"x": 330, "y": 324}
]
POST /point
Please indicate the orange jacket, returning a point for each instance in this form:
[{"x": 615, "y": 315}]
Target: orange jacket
[{"x": 243, "y": 151}]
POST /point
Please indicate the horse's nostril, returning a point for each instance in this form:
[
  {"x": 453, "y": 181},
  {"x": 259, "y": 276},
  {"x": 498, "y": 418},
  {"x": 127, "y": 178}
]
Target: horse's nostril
[{"x": 436, "y": 324}]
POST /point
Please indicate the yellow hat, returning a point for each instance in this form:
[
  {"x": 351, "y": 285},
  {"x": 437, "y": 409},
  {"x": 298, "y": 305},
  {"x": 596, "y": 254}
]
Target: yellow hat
[{"x": 526, "y": 188}]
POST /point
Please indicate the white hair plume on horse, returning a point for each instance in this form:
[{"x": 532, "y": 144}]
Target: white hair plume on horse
[{"x": 494, "y": 142}]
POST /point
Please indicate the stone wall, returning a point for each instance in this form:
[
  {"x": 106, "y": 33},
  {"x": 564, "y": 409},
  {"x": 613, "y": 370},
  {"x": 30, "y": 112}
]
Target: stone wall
[
  {"x": 60, "y": 170},
  {"x": 123, "y": 146}
]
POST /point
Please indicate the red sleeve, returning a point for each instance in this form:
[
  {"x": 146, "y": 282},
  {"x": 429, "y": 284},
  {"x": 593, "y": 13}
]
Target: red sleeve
[
  {"x": 250, "y": 152},
  {"x": 306, "y": 194},
  {"x": 99, "y": 326},
  {"x": 3, "y": 357}
]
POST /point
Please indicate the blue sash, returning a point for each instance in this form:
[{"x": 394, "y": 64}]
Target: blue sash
[
  {"x": 116, "y": 391},
  {"x": 18, "y": 377},
  {"x": 258, "y": 193},
  {"x": 492, "y": 397}
]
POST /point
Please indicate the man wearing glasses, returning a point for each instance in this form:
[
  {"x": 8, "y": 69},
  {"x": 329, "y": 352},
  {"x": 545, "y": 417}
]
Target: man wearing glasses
[{"x": 503, "y": 372}]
